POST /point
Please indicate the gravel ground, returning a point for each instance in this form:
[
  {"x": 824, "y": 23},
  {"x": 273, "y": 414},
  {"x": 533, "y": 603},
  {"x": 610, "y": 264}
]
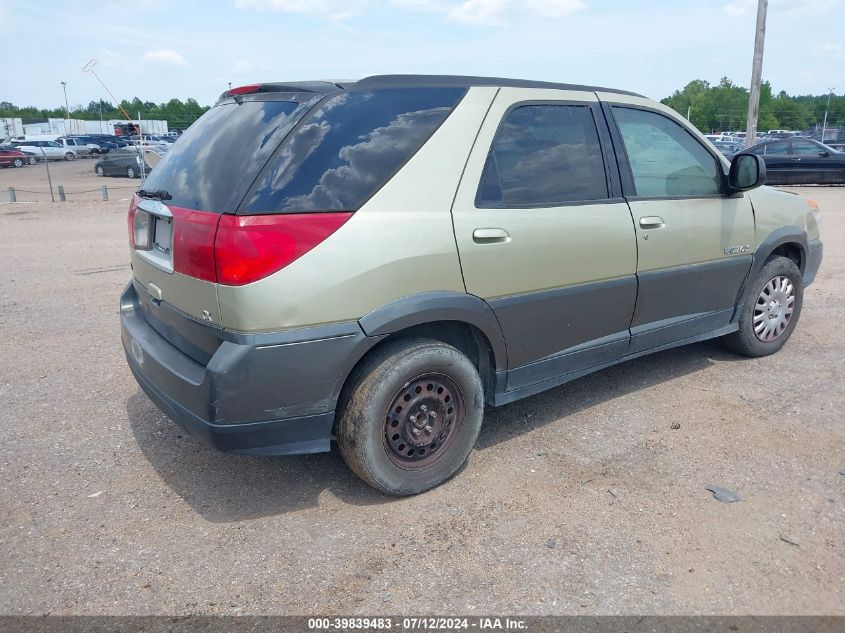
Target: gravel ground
[
  {"x": 77, "y": 177},
  {"x": 581, "y": 500}
]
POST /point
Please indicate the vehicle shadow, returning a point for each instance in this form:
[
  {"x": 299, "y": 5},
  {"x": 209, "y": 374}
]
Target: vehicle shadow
[
  {"x": 503, "y": 423},
  {"x": 225, "y": 487}
]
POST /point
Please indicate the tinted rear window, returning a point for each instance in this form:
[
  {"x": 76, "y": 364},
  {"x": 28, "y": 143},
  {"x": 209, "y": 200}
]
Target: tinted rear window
[
  {"x": 345, "y": 150},
  {"x": 218, "y": 157}
]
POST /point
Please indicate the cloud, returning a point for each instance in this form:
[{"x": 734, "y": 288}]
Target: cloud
[
  {"x": 479, "y": 12},
  {"x": 165, "y": 58},
  {"x": 740, "y": 7},
  {"x": 335, "y": 9},
  {"x": 499, "y": 12}
]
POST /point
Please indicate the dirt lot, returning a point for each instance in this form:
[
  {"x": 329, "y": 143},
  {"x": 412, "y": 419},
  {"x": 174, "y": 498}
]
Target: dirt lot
[
  {"x": 77, "y": 177},
  {"x": 581, "y": 500}
]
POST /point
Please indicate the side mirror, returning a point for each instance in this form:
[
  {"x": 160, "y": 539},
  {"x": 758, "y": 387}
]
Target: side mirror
[
  {"x": 152, "y": 157},
  {"x": 748, "y": 171},
  {"x": 824, "y": 154}
]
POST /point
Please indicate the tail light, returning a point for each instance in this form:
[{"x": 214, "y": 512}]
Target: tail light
[
  {"x": 250, "y": 247},
  {"x": 235, "y": 249}
]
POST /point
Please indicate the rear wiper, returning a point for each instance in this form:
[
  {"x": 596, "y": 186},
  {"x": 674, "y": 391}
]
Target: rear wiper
[{"x": 155, "y": 194}]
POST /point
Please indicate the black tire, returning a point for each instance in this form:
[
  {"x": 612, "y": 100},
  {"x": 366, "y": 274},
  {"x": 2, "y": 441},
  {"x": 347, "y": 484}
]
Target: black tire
[
  {"x": 745, "y": 341},
  {"x": 31, "y": 160},
  {"x": 70, "y": 156},
  {"x": 367, "y": 414},
  {"x": 130, "y": 172},
  {"x": 18, "y": 162},
  {"x": 100, "y": 171}
]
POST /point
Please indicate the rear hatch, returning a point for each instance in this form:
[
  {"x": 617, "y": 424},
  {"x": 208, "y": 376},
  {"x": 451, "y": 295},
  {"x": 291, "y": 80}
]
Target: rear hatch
[{"x": 173, "y": 218}]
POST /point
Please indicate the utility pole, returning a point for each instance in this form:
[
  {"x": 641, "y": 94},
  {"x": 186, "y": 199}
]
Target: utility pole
[
  {"x": 826, "y": 108},
  {"x": 67, "y": 110},
  {"x": 756, "y": 74}
]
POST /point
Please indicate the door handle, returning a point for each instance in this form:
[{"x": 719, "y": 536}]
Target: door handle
[
  {"x": 490, "y": 236},
  {"x": 652, "y": 222}
]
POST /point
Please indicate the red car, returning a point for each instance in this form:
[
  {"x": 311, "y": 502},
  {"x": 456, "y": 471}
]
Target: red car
[{"x": 10, "y": 156}]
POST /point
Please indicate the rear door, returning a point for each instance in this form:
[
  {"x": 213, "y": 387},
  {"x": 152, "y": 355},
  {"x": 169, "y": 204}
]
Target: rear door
[
  {"x": 544, "y": 235},
  {"x": 694, "y": 241},
  {"x": 812, "y": 163}
]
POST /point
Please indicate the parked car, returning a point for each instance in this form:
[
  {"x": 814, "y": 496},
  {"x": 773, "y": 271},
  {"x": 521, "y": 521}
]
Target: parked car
[
  {"x": 801, "y": 161},
  {"x": 46, "y": 150},
  {"x": 377, "y": 262},
  {"x": 125, "y": 162},
  {"x": 77, "y": 145},
  {"x": 728, "y": 148},
  {"x": 12, "y": 157},
  {"x": 97, "y": 144}
]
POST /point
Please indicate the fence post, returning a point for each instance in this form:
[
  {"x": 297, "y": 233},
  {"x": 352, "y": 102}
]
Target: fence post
[
  {"x": 62, "y": 193},
  {"x": 12, "y": 195},
  {"x": 105, "y": 191}
]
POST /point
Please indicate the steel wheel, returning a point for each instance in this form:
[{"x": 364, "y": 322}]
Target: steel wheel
[
  {"x": 774, "y": 309},
  {"x": 422, "y": 421}
]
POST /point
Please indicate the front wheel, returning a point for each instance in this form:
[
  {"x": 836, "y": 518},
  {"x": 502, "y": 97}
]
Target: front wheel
[
  {"x": 130, "y": 172},
  {"x": 770, "y": 309},
  {"x": 70, "y": 156},
  {"x": 410, "y": 416},
  {"x": 100, "y": 170}
]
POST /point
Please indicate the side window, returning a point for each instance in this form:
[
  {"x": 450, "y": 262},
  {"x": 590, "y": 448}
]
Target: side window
[
  {"x": 805, "y": 148},
  {"x": 666, "y": 160},
  {"x": 544, "y": 155},
  {"x": 776, "y": 149}
]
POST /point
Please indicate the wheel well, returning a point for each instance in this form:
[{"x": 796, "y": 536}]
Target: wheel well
[
  {"x": 464, "y": 337},
  {"x": 792, "y": 251}
]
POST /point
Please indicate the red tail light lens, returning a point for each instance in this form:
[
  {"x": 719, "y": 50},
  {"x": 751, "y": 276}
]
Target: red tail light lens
[
  {"x": 251, "y": 247},
  {"x": 239, "y": 249},
  {"x": 193, "y": 243},
  {"x": 243, "y": 90}
]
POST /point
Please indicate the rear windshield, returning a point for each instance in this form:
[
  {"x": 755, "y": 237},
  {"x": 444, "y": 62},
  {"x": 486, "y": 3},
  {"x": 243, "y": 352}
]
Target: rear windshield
[
  {"x": 215, "y": 161},
  {"x": 347, "y": 148}
]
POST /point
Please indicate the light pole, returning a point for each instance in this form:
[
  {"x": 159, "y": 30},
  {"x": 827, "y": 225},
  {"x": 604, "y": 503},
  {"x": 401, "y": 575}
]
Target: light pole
[
  {"x": 826, "y": 108},
  {"x": 67, "y": 110}
]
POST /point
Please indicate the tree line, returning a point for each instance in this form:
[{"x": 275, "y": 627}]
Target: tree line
[
  {"x": 724, "y": 107},
  {"x": 177, "y": 113}
]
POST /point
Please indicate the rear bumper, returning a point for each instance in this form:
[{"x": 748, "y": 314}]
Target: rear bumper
[
  {"x": 271, "y": 394},
  {"x": 815, "y": 250}
]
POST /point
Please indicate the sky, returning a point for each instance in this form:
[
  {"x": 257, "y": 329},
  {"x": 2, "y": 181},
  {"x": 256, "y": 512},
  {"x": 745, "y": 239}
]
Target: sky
[{"x": 161, "y": 49}]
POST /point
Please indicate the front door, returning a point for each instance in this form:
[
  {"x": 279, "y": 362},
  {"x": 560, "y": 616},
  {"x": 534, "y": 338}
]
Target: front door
[
  {"x": 544, "y": 235},
  {"x": 694, "y": 241}
]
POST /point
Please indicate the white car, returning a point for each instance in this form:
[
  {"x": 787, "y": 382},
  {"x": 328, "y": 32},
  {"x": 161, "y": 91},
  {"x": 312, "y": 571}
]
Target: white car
[
  {"x": 78, "y": 146},
  {"x": 46, "y": 150}
]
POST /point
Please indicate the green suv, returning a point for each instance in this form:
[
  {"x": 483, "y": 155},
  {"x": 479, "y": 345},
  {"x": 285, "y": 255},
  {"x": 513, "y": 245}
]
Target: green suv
[{"x": 374, "y": 262}]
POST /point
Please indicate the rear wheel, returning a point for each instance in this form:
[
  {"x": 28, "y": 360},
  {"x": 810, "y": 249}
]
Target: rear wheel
[
  {"x": 100, "y": 171},
  {"x": 410, "y": 416},
  {"x": 18, "y": 162},
  {"x": 70, "y": 156},
  {"x": 32, "y": 160},
  {"x": 770, "y": 310},
  {"x": 130, "y": 172}
]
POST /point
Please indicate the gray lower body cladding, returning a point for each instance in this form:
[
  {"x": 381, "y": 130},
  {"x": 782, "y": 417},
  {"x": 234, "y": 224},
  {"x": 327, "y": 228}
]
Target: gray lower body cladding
[{"x": 268, "y": 393}]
